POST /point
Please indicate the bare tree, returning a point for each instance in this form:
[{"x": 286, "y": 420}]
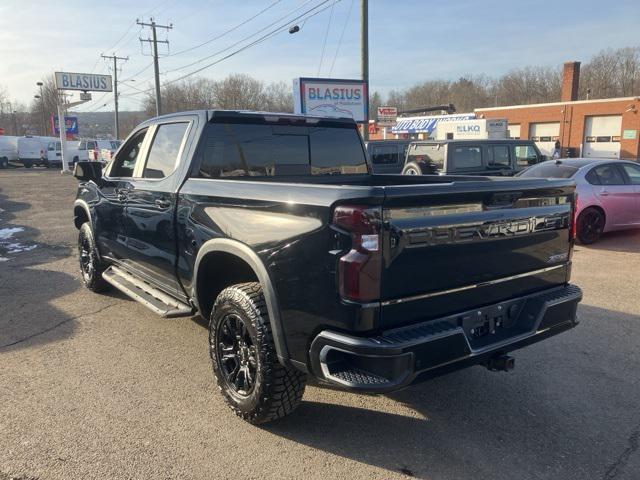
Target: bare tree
[
  {"x": 612, "y": 73},
  {"x": 278, "y": 97}
]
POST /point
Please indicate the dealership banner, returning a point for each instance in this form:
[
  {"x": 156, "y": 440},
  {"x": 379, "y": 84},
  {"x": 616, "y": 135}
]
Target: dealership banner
[
  {"x": 387, "y": 116},
  {"x": 426, "y": 124},
  {"x": 330, "y": 97},
  {"x": 70, "y": 124}
]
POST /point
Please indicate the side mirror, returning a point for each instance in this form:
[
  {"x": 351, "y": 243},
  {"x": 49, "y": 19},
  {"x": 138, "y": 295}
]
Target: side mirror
[
  {"x": 88, "y": 172},
  {"x": 544, "y": 157}
]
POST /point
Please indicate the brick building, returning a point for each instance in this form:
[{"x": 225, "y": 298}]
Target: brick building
[{"x": 590, "y": 128}]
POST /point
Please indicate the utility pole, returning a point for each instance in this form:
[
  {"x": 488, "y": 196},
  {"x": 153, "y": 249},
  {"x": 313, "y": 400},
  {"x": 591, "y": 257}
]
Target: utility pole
[
  {"x": 154, "y": 40},
  {"x": 115, "y": 89},
  {"x": 364, "y": 45}
]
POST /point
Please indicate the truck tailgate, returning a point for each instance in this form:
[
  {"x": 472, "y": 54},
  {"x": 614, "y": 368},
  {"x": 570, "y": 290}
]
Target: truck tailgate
[{"x": 468, "y": 243}]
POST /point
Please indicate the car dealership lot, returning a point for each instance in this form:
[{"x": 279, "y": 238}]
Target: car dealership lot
[{"x": 99, "y": 387}]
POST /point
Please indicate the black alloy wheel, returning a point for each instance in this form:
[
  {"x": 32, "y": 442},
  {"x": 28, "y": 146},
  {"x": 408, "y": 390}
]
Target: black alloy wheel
[
  {"x": 91, "y": 266},
  {"x": 591, "y": 224},
  {"x": 237, "y": 355}
]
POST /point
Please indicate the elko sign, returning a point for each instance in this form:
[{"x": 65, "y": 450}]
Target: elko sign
[
  {"x": 330, "y": 97},
  {"x": 87, "y": 82}
]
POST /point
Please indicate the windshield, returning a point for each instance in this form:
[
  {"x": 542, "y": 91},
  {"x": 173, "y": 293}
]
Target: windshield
[{"x": 549, "y": 170}]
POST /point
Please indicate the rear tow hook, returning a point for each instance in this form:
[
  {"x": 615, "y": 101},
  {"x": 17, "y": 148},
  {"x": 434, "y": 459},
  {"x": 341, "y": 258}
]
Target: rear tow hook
[{"x": 501, "y": 363}]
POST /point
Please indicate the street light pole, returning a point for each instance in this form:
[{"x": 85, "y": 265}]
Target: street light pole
[
  {"x": 364, "y": 45},
  {"x": 15, "y": 124},
  {"x": 44, "y": 121}
]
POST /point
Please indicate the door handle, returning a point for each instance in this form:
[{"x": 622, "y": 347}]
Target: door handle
[
  {"x": 122, "y": 194},
  {"x": 163, "y": 203},
  {"x": 604, "y": 193}
]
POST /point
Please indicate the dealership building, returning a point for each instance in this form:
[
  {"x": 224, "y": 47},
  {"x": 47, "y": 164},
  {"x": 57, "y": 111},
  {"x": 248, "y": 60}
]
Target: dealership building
[
  {"x": 587, "y": 128},
  {"x": 598, "y": 128}
]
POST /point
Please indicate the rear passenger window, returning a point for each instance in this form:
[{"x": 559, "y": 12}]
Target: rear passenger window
[
  {"x": 608, "y": 175},
  {"x": 498, "y": 156},
  {"x": 464, "y": 156},
  {"x": 525, "y": 155},
  {"x": 384, "y": 154},
  {"x": 633, "y": 172},
  {"x": 163, "y": 154}
]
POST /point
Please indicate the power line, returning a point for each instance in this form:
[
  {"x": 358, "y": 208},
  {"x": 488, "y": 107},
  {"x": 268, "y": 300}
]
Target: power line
[
  {"x": 344, "y": 29},
  {"x": 122, "y": 37},
  {"x": 250, "y": 36},
  {"x": 138, "y": 73},
  {"x": 225, "y": 32},
  {"x": 255, "y": 42},
  {"x": 241, "y": 49},
  {"x": 326, "y": 35}
]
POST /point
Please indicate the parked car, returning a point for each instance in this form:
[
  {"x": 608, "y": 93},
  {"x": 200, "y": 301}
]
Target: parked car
[
  {"x": 32, "y": 150},
  {"x": 387, "y": 156},
  {"x": 102, "y": 150},
  {"x": 78, "y": 150},
  {"x": 470, "y": 157},
  {"x": 8, "y": 150},
  {"x": 608, "y": 193},
  {"x": 272, "y": 227},
  {"x": 107, "y": 153}
]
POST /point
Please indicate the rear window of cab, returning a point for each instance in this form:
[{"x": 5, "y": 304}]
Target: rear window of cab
[{"x": 550, "y": 170}]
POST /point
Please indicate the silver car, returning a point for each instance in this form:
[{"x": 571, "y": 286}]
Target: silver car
[{"x": 608, "y": 192}]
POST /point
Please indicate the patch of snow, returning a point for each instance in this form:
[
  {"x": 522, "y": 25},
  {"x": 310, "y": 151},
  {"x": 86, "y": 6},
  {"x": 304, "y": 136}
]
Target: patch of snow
[
  {"x": 7, "y": 233},
  {"x": 18, "y": 247},
  {"x": 4, "y": 259}
]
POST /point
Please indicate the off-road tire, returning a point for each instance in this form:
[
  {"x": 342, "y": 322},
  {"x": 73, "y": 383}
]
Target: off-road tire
[
  {"x": 87, "y": 252},
  {"x": 413, "y": 168},
  {"x": 4, "y": 163},
  {"x": 277, "y": 390}
]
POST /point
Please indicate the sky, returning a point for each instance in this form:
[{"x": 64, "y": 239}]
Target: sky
[{"x": 410, "y": 40}]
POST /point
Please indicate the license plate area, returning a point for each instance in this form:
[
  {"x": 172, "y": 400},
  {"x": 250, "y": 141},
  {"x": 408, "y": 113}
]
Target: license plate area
[{"x": 496, "y": 323}]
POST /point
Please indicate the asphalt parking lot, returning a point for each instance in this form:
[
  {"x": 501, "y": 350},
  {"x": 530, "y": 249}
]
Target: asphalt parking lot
[{"x": 97, "y": 386}]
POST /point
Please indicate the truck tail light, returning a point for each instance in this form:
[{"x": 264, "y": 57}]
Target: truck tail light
[{"x": 359, "y": 269}]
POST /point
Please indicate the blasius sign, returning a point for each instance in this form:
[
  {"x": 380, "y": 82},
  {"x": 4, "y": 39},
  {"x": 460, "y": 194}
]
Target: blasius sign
[
  {"x": 86, "y": 82},
  {"x": 329, "y": 97}
]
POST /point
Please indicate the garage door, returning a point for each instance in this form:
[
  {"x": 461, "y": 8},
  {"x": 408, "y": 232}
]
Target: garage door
[
  {"x": 602, "y": 136},
  {"x": 545, "y": 135},
  {"x": 514, "y": 131}
]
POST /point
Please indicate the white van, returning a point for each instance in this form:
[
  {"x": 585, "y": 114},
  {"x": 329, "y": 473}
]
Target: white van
[
  {"x": 30, "y": 151},
  {"x": 8, "y": 150},
  {"x": 54, "y": 154}
]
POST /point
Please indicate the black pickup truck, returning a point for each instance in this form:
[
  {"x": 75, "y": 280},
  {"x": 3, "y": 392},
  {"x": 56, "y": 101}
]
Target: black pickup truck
[{"x": 272, "y": 228}]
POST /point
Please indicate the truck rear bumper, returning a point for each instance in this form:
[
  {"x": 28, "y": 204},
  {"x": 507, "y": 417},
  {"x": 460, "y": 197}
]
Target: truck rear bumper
[{"x": 401, "y": 356}]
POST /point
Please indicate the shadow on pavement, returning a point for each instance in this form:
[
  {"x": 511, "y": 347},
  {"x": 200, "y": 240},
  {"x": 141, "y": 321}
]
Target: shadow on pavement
[
  {"x": 622, "y": 241},
  {"x": 28, "y": 318},
  {"x": 540, "y": 421}
]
